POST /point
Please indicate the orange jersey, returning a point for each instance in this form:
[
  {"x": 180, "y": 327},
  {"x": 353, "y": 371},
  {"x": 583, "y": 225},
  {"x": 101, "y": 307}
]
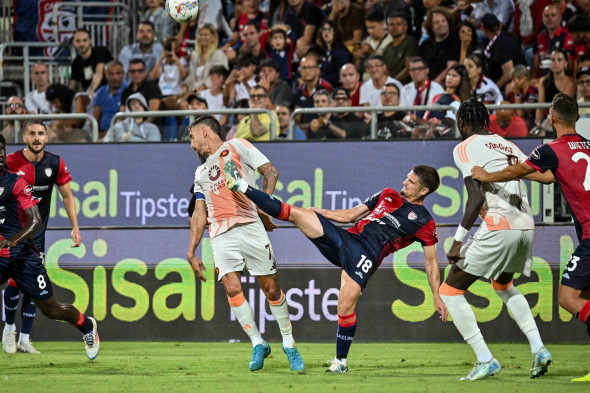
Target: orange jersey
[{"x": 226, "y": 208}]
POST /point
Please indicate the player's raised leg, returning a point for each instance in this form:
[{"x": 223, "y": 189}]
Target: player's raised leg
[
  {"x": 245, "y": 316},
  {"x": 280, "y": 310},
  {"x": 347, "y": 299},
  {"x": 11, "y": 297},
  {"x": 521, "y": 313},
  {"x": 452, "y": 294},
  {"x": 66, "y": 312}
]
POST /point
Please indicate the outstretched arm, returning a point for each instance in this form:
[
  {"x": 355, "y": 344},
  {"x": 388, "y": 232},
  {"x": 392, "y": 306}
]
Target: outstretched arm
[
  {"x": 511, "y": 172},
  {"x": 475, "y": 200},
  {"x": 198, "y": 223},
  {"x": 344, "y": 215},
  {"x": 433, "y": 275},
  {"x": 270, "y": 176}
]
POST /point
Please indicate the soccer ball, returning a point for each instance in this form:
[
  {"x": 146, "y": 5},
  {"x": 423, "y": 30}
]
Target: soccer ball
[{"x": 182, "y": 10}]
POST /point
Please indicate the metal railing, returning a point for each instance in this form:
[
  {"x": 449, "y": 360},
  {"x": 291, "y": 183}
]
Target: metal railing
[
  {"x": 193, "y": 113},
  {"x": 372, "y": 109},
  {"x": 110, "y": 29},
  {"x": 62, "y": 66},
  {"x": 54, "y": 116}
]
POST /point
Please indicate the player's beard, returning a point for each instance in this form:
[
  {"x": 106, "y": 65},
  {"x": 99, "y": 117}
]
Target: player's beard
[{"x": 35, "y": 150}]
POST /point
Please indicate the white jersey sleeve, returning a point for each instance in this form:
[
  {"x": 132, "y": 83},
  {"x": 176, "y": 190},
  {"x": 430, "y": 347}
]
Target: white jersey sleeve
[{"x": 249, "y": 154}]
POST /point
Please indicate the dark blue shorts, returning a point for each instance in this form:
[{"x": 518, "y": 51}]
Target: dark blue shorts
[
  {"x": 576, "y": 274},
  {"x": 30, "y": 276},
  {"x": 343, "y": 249}
]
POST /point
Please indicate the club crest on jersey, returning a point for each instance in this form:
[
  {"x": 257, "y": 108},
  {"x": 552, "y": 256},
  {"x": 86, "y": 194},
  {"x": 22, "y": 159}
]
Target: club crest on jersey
[
  {"x": 214, "y": 173},
  {"x": 20, "y": 173},
  {"x": 48, "y": 172},
  {"x": 28, "y": 190},
  {"x": 412, "y": 216},
  {"x": 224, "y": 153}
]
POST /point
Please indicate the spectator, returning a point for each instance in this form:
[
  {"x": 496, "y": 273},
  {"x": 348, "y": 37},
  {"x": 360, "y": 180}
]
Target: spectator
[
  {"x": 164, "y": 26},
  {"x": 88, "y": 67},
  {"x": 65, "y": 100},
  {"x": 284, "y": 115},
  {"x": 169, "y": 71},
  {"x": 507, "y": 124},
  {"x": 14, "y": 106},
  {"x": 354, "y": 126},
  {"x": 205, "y": 56},
  {"x": 350, "y": 79},
  {"x": 134, "y": 129},
  {"x": 441, "y": 49},
  {"x": 402, "y": 48},
  {"x": 552, "y": 37},
  {"x": 523, "y": 90},
  {"x": 503, "y": 9},
  {"x": 280, "y": 91},
  {"x": 457, "y": 90},
  {"x": 528, "y": 22},
  {"x": 145, "y": 48},
  {"x": 556, "y": 81},
  {"x": 214, "y": 95},
  {"x": 149, "y": 89},
  {"x": 241, "y": 79},
  {"x": 462, "y": 12},
  {"x": 567, "y": 9},
  {"x": 421, "y": 91},
  {"x": 349, "y": 19},
  {"x": 35, "y": 101},
  {"x": 481, "y": 86},
  {"x": 584, "y": 61},
  {"x": 579, "y": 28},
  {"x": 304, "y": 19},
  {"x": 311, "y": 81},
  {"x": 256, "y": 127},
  {"x": 469, "y": 42},
  {"x": 377, "y": 39},
  {"x": 251, "y": 43},
  {"x": 502, "y": 52},
  {"x": 279, "y": 46},
  {"x": 251, "y": 14},
  {"x": 583, "y": 80},
  {"x": 195, "y": 103},
  {"x": 321, "y": 127},
  {"x": 334, "y": 53},
  {"x": 371, "y": 89},
  {"x": 241, "y": 104},
  {"x": 390, "y": 124},
  {"x": 107, "y": 100}
]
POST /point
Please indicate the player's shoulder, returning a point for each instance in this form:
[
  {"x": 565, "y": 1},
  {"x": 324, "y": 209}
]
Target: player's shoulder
[{"x": 240, "y": 143}]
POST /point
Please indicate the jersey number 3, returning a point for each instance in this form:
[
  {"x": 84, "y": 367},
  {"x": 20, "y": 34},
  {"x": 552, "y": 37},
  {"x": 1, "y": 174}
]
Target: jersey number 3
[{"x": 583, "y": 156}]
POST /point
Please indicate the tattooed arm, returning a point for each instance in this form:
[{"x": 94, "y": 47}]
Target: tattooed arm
[{"x": 270, "y": 175}]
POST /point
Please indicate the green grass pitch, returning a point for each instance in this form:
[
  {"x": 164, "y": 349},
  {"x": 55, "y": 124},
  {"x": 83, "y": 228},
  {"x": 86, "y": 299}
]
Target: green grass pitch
[{"x": 223, "y": 367}]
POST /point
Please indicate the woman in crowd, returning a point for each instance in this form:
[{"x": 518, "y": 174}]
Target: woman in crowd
[
  {"x": 334, "y": 53},
  {"x": 523, "y": 90},
  {"x": 556, "y": 81},
  {"x": 481, "y": 86},
  {"x": 468, "y": 40},
  {"x": 205, "y": 56}
]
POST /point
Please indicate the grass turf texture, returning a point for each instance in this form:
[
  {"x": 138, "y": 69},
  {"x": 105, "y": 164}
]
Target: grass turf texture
[{"x": 207, "y": 367}]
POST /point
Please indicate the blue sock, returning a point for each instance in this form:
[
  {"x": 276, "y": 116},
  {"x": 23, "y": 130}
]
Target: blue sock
[
  {"x": 271, "y": 206},
  {"x": 28, "y": 312},
  {"x": 345, "y": 335},
  {"x": 11, "y": 296},
  {"x": 84, "y": 324}
]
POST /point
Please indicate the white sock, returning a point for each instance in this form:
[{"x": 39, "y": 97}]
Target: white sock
[
  {"x": 245, "y": 317},
  {"x": 521, "y": 312},
  {"x": 465, "y": 321},
  {"x": 281, "y": 313},
  {"x": 23, "y": 337},
  {"x": 9, "y": 328}
]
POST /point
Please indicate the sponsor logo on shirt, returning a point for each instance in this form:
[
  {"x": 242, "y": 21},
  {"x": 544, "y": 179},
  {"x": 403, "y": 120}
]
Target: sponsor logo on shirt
[
  {"x": 536, "y": 155},
  {"x": 2, "y": 220},
  {"x": 359, "y": 274},
  {"x": 412, "y": 216},
  {"x": 1, "y": 190},
  {"x": 214, "y": 173}
]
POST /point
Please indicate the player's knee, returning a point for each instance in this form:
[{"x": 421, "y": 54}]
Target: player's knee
[
  {"x": 51, "y": 310},
  {"x": 273, "y": 293},
  {"x": 233, "y": 290}
]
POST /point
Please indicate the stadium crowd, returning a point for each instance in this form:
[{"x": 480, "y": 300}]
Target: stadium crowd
[{"x": 288, "y": 54}]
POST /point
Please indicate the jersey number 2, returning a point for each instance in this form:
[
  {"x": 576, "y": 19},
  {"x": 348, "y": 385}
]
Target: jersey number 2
[{"x": 583, "y": 156}]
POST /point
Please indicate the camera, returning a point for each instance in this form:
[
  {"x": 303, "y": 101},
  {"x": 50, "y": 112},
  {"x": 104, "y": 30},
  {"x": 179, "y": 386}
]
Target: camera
[{"x": 168, "y": 46}]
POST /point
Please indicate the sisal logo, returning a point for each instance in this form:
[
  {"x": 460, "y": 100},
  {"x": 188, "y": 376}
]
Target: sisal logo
[{"x": 214, "y": 173}]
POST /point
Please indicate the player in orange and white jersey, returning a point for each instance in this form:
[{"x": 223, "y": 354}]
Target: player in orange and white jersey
[
  {"x": 238, "y": 232},
  {"x": 501, "y": 246}
]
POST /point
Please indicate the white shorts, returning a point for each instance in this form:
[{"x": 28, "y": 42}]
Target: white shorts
[
  {"x": 490, "y": 253},
  {"x": 244, "y": 247}
]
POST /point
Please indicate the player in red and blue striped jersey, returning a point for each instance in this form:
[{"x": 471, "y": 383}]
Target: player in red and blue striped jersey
[
  {"x": 568, "y": 157},
  {"x": 386, "y": 222}
]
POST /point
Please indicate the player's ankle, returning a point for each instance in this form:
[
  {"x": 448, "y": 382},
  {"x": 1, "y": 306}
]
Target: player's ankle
[{"x": 10, "y": 327}]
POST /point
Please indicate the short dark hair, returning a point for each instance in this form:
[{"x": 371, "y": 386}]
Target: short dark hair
[
  {"x": 428, "y": 177},
  {"x": 375, "y": 15},
  {"x": 219, "y": 70},
  {"x": 418, "y": 59},
  {"x": 259, "y": 87},
  {"x": 26, "y": 124},
  {"x": 81, "y": 30},
  {"x": 208, "y": 121},
  {"x": 579, "y": 23},
  {"x": 269, "y": 63},
  {"x": 398, "y": 14},
  {"x": 137, "y": 60},
  {"x": 565, "y": 108},
  {"x": 147, "y": 22},
  {"x": 277, "y": 30},
  {"x": 246, "y": 59}
]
